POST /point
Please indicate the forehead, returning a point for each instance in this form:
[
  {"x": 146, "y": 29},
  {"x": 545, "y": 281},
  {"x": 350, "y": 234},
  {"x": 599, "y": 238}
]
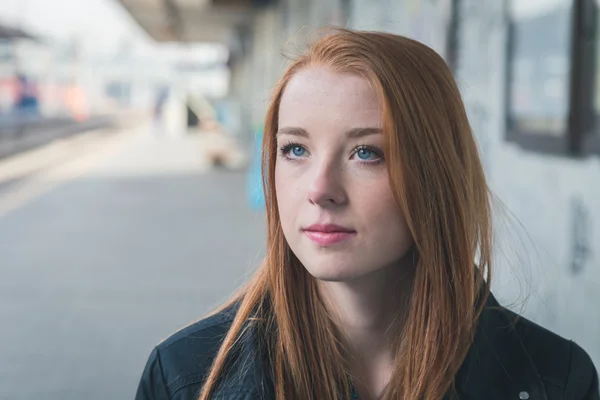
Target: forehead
[{"x": 319, "y": 95}]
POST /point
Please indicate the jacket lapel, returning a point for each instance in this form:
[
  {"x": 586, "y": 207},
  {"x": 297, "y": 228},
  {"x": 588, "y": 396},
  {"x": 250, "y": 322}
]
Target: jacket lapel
[
  {"x": 249, "y": 377},
  {"x": 498, "y": 365}
]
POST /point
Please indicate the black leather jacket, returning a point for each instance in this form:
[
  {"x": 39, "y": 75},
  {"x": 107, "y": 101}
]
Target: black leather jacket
[{"x": 511, "y": 359}]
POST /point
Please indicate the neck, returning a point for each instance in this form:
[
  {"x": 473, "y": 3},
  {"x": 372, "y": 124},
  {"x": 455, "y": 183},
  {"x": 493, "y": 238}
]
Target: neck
[{"x": 369, "y": 312}]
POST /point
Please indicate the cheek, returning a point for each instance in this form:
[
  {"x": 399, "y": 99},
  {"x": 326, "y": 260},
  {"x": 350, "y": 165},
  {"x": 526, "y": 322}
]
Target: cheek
[
  {"x": 286, "y": 189},
  {"x": 382, "y": 215}
]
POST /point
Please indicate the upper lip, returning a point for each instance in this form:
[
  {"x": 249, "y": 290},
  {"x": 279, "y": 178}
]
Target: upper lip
[{"x": 328, "y": 228}]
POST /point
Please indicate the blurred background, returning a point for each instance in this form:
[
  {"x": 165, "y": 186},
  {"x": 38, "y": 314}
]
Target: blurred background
[{"x": 130, "y": 198}]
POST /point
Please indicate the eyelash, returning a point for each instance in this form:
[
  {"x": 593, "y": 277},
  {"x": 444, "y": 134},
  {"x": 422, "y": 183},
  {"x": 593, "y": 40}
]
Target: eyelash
[{"x": 286, "y": 148}]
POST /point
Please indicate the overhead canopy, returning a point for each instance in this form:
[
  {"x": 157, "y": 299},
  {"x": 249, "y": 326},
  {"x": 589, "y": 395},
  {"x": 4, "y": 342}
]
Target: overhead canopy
[{"x": 190, "y": 20}]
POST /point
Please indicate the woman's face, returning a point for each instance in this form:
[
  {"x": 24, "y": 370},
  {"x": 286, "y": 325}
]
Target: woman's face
[{"x": 337, "y": 210}]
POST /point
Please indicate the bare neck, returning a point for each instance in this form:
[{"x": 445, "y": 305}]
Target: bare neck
[{"x": 369, "y": 312}]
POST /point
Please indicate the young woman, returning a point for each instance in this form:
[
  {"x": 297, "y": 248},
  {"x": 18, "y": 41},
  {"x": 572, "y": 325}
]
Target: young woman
[{"x": 376, "y": 280}]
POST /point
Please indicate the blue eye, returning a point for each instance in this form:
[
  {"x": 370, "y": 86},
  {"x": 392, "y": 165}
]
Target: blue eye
[
  {"x": 368, "y": 153},
  {"x": 293, "y": 151},
  {"x": 298, "y": 151},
  {"x": 364, "y": 154}
]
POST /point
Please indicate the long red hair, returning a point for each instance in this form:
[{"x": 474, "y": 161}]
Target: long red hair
[{"x": 439, "y": 184}]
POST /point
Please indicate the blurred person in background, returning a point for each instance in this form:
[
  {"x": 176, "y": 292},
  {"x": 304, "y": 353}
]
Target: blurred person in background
[
  {"x": 376, "y": 282},
  {"x": 27, "y": 103},
  {"x": 76, "y": 100},
  {"x": 162, "y": 96}
]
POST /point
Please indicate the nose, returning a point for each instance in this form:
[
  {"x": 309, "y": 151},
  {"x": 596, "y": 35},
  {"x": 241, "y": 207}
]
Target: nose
[{"x": 326, "y": 187}]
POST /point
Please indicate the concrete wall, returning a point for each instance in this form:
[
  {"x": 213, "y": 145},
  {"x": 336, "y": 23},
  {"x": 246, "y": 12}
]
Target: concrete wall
[
  {"x": 277, "y": 33},
  {"x": 548, "y": 255},
  {"x": 406, "y": 17},
  {"x": 556, "y": 199}
]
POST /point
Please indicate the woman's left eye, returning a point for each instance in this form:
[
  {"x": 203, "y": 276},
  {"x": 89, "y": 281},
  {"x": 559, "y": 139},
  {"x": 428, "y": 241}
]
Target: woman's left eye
[{"x": 367, "y": 153}]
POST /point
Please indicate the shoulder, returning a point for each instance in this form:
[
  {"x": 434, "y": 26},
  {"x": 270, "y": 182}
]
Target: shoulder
[
  {"x": 534, "y": 356},
  {"x": 180, "y": 363},
  {"x": 564, "y": 367}
]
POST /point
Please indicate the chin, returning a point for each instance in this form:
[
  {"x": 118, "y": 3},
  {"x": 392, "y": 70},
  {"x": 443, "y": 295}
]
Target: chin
[{"x": 331, "y": 273}]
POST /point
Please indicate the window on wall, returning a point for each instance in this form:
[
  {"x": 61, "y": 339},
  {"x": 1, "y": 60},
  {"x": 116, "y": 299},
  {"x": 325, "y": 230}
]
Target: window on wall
[
  {"x": 553, "y": 94},
  {"x": 539, "y": 73},
  {"x": 590, "y": 140}
]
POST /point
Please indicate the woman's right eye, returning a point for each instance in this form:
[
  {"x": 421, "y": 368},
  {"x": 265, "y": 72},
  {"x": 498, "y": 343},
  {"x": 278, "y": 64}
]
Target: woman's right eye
[{"x": 293, "y": 150}]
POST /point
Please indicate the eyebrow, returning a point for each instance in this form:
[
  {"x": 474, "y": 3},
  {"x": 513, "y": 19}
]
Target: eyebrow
[{"x": 352, "y": 133}]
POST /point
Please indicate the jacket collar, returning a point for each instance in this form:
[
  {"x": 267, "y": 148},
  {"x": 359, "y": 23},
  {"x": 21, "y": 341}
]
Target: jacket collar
[{"x": 497, "y": 366}]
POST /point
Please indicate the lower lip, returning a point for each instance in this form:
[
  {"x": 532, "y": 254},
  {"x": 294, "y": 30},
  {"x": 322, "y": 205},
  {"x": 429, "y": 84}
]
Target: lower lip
[{"x": 326, "y": 238}]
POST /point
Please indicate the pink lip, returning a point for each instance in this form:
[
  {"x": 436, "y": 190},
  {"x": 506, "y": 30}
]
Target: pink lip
[{"x": 328, "y": 234}]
